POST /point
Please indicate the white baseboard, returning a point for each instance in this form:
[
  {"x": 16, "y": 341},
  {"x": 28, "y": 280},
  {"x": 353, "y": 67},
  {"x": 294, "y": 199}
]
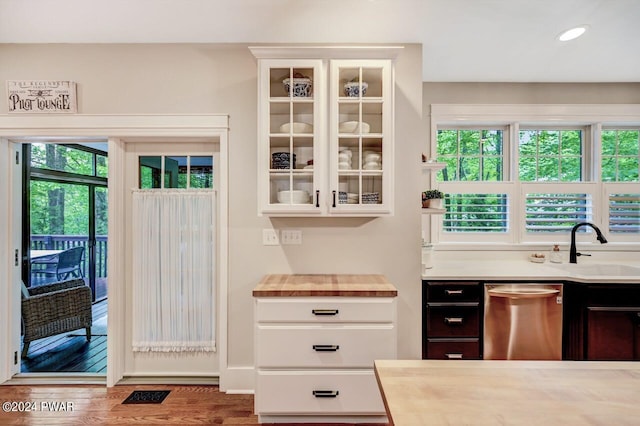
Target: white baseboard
[
  {"x": 168, "y": 380},
  {"x": 238, "y": 380}
]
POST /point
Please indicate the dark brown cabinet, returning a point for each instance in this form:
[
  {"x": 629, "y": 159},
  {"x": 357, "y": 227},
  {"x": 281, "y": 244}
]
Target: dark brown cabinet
[
  {"x": 609, "y": 316},
  {"x": 600, "y": 321},
  {"x": 613, "y": 333},
  {"x": 452, "y": 320}
]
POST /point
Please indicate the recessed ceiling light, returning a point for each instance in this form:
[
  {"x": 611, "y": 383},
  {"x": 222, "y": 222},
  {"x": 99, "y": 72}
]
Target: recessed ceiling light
[{"x": 572, "y": 33}]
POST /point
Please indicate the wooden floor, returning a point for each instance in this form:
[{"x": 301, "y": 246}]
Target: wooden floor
[
  {"x": 70, "y": 352},
  {"x": 98, "y": 405}
]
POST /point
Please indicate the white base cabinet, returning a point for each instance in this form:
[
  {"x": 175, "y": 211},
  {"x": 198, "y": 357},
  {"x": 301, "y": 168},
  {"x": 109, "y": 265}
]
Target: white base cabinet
[{"x": 314, "y": 357}]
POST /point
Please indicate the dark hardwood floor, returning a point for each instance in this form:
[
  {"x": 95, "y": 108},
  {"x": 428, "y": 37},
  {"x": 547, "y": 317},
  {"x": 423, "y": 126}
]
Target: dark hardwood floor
[{"x": 70, "y": 352}]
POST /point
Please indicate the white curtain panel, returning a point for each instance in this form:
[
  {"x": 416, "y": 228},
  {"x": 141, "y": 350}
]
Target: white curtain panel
[{"x": 174, "y": 271}]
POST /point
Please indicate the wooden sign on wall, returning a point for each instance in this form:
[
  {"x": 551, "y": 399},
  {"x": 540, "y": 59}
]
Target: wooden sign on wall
[{"x": 41, "y": 96}]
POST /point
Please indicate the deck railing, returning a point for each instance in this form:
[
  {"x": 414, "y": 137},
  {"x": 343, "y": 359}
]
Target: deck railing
[{"x": 63, "y": 242}]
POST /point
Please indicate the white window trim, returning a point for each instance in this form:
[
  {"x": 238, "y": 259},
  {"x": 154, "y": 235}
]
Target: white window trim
[{"x": 591, "y": 117}]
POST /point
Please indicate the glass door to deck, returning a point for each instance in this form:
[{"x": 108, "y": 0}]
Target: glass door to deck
[{"x": 67, "y": 211}]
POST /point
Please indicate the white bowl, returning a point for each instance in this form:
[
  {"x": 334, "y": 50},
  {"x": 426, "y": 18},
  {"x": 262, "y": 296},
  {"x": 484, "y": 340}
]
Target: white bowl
[
  {"x": 372, "y": 157},
  {"x": 537, "y": 257},
  {"x": 343, "y": 165},
  {"x": 293, "y": 197},
  {"x": 374, "y": 165},
  {"x": 353, "y": 127},
  {"x": 297, "y": 127}
]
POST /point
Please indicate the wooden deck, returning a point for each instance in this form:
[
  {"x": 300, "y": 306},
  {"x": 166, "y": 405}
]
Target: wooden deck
[{"x": 70, "y": 352}]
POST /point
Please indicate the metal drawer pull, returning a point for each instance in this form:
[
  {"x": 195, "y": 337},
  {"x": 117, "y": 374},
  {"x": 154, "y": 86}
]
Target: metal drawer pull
[
  {"x": 455, "y": 320},
  {"x": 325, "y": 393},
  {"x": 453, "y": 292},
  {"x": 453, "y": 356},
  {"x": 324, "y": 311},
  {"x": 326, "y": 348}
]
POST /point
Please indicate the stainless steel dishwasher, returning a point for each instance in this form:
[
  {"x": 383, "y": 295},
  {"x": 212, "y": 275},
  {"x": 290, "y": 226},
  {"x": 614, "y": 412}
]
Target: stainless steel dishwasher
[{"x": 523, "y": 321}]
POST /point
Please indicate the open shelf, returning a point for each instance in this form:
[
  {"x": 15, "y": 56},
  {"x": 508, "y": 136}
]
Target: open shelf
[
  {"x": 429, "y": 210},
  {"x": 432, "y": 165}
]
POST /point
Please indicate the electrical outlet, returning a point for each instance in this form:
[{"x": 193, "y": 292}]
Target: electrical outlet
[
  {"x": 270, "y": 237},
  {"x": 291, "y": 236}
]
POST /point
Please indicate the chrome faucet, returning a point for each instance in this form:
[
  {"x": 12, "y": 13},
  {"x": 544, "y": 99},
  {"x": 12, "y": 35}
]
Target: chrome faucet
[{"x": 573, "y": 253}]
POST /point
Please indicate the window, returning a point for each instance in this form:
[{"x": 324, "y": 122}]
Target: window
[
  {"x": 620, "y": 152},
  {"x": 476, "y": 213},
  {"x": 620, "y": 155},
  {"x": 475, "y": 196},
  {"x": 176, "y": 172},
  {"x": 471, "y": 154},
  {"x": 556, "y": 212},
  {"x": 64, "y": 158},
  {"x": 624, "y": 213},
  {"x": 550, "y": 155},
  {"x": 527, "y": 180}
]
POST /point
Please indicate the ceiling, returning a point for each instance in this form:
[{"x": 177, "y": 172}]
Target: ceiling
[{"x": 462, "y": 40}]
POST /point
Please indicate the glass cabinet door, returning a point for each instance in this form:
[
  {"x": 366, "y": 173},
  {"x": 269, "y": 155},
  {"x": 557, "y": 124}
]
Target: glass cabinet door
[
  {"x": 290, "y": 132},
  {"x": 361, "y": 136}
]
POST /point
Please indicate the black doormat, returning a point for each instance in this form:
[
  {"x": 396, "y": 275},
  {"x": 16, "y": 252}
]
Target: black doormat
[{"x": 146, "y": 397}]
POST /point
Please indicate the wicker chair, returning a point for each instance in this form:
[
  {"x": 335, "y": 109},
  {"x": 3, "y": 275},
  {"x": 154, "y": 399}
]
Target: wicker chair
[{"x": 55, "y": 308}]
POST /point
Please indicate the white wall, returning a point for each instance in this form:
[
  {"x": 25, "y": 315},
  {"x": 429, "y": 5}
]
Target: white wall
[{"x": 204, "y": 78}]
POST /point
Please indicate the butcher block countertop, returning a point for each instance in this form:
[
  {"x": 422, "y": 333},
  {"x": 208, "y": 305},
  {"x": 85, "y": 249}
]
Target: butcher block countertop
[
  {"x": 434, "y": 392},
  {"x": 345, "y": 285}
]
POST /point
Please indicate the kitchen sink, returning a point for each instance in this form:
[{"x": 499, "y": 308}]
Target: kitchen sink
[{"x": 600, "y": 269}]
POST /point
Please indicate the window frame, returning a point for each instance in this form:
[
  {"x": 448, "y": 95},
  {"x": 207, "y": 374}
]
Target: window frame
[
  {"x": 162, "y": 172},
  {"x": 586, "y": 156},
  {"x": 591, "y": 119}
]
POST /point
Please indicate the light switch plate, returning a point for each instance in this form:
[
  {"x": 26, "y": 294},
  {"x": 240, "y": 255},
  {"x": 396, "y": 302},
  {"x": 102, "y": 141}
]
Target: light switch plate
[
  {"x": 291, "y": 236},
  {"x": 270, "y": 237}
]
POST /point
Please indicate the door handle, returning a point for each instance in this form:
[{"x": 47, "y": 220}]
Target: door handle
[
  {"x": 326, "y": 312},
  {"x": 453, "y": 320},
  {"x": 325, "y": 393},
  {"x": 326, "y": 348},
  {"x": 334, "y": 198},
  {"x": 453, "y": 292},
  {"x": 453, "y": 356},
  {"x": 318, "y": 198}
]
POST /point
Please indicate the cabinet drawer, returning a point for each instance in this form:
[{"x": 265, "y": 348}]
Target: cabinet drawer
[
  {"x": 613, "y": 295},
  {"x": 336, "y": 392},
  {"x": 448, "y": 292},
  {"x": 453, "y": 349},
  {"x": 453, "y": 321},
  {"x": 325, "y": 309},
  {"x": 323, "y": 346}
]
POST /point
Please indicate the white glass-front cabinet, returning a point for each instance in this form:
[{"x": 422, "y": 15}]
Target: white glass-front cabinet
[
  {"x": 361, "y": 134},
  {"x": 290, "y": 151},
  {"x": 325, "y": 134}
]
